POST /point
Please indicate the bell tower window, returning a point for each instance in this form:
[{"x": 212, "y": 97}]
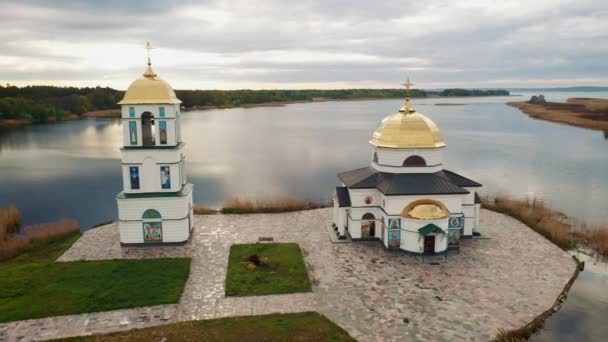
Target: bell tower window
[{"x": 147, "y": 129}]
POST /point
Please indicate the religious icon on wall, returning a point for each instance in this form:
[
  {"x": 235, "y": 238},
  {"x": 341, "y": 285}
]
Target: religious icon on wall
[
  {"x": 165, "y": 177},
  {"x": 134, "y": 176},
  {"x": 369, "y": 199},
  {"x": 153, "y": 231},
  {"x": 455, "y": 222},
  {"x": 163, "y": 132},
  {"x": 394, "y": 238},
  {"x": 133, "y": 132},
  {"x": 453, "y": 237},
  {"x": 394, "y": 223}
]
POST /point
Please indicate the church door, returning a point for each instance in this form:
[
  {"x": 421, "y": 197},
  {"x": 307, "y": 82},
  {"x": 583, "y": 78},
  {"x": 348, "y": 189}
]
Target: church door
[
  {"x": 429, "y": 244},
  {"x": 368, "y": 226}
]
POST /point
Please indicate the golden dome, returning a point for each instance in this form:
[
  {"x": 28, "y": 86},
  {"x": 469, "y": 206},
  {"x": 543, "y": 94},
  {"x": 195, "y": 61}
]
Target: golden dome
[
  {"x": 149, "y": 90},
  {"x": 407, "y": 129},
  {"x": 426, "y": 210}
]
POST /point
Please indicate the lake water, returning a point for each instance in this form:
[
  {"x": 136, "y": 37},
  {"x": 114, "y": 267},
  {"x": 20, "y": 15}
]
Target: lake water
[{"x": 72, "y": 169}]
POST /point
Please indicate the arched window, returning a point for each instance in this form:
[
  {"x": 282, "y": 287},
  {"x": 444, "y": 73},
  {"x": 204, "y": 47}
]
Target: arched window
[
  {"x": 375, "y": 157},
  {"x": 368, "y": 226},
  {"x": 147, "y": 129},
  {"x": 152, "y": 226},
  {"x": 414, "y": 161}
]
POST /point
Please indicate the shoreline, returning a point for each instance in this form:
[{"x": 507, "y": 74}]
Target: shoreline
[
  {"x": 116, "y": 113},
  {"x": 589, "y": 113},
  {"x": 316, "y": 100}
]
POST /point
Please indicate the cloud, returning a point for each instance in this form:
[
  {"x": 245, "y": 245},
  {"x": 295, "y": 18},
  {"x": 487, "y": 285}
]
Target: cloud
[{"x": 278, "y": 44}]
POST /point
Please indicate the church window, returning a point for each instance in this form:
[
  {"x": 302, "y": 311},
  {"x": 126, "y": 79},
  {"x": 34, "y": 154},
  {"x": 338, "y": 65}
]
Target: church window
[
  {"x": 147, "y": 129},
  {"x": 133, "y": 132},
  {"x": 162, "y": 132},
  {"x": 165, "y": 177},
  {"x": 152, "y": 226},
  {"x": 131, "y": 112},
  {"x": 134, "y": 176},
  {"x": 414, "y": 161},
  {"x": 161, "y": 112}
]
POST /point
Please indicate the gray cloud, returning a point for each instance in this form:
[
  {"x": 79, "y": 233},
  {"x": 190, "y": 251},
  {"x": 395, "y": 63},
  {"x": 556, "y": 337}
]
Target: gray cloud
[{"x": 285, "y": 44}]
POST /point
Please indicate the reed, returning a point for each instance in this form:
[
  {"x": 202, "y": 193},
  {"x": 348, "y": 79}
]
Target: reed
[
  {"x": 241, "y": 206},
  {"x": 34, "y": 235},
  {"x": 10, "y": 219},
  {"x": 200, "y": 209},
  {"x": 551, "y": 224}
]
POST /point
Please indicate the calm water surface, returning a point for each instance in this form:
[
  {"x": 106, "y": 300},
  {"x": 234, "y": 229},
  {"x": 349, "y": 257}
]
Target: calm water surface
[{"x": 72, "y": 169}]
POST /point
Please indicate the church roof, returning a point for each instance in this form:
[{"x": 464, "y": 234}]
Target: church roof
[
  {"x": 438, "y": 183},
  {"x": 149, "y": 89},
  {"x": 407, "y": 130},
  {"x": 343, "y": 197}
]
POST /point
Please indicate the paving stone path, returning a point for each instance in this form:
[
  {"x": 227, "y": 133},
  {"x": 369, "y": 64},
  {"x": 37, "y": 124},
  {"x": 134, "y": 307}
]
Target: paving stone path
[{"x": 500, "y": 282}]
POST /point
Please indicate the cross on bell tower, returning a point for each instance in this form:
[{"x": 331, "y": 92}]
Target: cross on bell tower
[
  {"x": 149, "y": 72},
  {"x": 407, "y": 108}
]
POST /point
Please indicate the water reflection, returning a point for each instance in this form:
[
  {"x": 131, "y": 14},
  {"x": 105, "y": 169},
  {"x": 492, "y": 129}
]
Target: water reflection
[{"x": 298, "y": 149}]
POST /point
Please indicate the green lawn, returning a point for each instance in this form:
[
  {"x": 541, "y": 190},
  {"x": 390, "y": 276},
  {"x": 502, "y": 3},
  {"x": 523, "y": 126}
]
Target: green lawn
[
  {"x": 33, "y": 285},
  {"x": 303, "y": 326},
  {"x": 281, "y": 270}
]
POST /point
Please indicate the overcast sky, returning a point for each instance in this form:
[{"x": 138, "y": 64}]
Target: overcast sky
[{"x": 306, "y": 44}]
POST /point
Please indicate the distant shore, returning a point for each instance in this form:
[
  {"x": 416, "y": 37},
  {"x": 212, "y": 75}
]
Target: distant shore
[
  {"x": 590, "y": 113},
  {"x": 116, "y": 113},
  {"x": 284, "y": 103}
]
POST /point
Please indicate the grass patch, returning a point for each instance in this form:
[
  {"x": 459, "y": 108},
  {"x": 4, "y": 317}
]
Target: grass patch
[
  {"x": 240, "y": 206},
  {"x": 34, "y": 285},
  {"x": 303, "y": 326},
  {"x": 269, "y": 268}
]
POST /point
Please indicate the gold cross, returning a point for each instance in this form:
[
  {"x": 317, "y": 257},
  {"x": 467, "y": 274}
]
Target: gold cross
[
  {"x": 407, "y": 86},
  {"x": 148, "y": 47}
]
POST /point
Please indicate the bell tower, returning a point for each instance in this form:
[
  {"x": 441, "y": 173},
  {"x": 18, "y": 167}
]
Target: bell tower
[{"x": 155, "y": 206}]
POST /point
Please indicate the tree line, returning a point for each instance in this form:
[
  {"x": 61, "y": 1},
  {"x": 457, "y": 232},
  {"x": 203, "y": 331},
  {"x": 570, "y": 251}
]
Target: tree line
[{"x": 44, "y": 103}]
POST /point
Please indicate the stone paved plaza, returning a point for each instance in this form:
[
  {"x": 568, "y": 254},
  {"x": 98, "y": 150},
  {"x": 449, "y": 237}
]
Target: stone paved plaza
[{"x": 499, "y": 282}]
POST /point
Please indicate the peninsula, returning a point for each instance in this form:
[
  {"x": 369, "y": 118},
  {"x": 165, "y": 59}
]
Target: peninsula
[{"x": 591, "y": 113}]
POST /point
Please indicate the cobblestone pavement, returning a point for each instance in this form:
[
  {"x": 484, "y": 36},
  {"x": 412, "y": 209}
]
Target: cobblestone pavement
[{"x": 500, "y": 282}]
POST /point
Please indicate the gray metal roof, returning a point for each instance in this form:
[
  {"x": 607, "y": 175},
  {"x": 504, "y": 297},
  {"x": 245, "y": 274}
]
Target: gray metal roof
[
  {"x": 343, "y": 197},
  {"x": 437, "y": 183}
]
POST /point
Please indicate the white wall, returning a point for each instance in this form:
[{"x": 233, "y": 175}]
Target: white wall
[
  {"x": 174, "y": 213},
  {"x": 172, "y": 118},
  {"x": 150, "y": 176},
  {"x": 173, "y": 231},
  {"x": 171, "y": 110},
  {"x": 391, "y": 160}
]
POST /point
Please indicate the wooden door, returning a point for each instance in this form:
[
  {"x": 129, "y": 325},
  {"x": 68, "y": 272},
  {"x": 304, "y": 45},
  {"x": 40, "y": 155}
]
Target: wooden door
[{"x": 429, "y": 244}]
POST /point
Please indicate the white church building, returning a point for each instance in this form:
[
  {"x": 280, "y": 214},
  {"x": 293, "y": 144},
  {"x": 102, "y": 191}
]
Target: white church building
[
  {"x": 405, "y": 198},
  {"x": 155, "y": 206}
]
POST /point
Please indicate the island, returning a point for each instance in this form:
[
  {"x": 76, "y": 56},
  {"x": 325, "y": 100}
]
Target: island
[{"x": 591, "y": 113}]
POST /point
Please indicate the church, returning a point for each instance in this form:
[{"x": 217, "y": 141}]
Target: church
[
  {"x": 155, "y": 206},
  {"x": 405, "y": 198}
]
